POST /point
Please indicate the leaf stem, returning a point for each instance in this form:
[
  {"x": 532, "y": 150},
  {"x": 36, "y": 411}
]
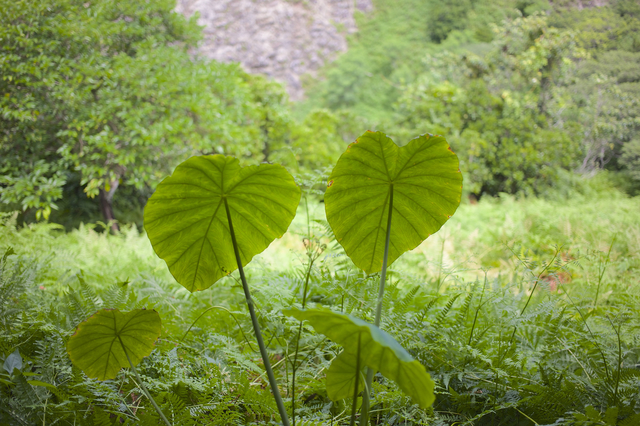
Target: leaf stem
[
  {"x": 355, "y": 392},
  {"x": 144, "y": 388},
  {"x": 601, "y": 275},
  {"x": 232, "y": 316},
  {"x": 295, "y": 358},
  {"x": 256, "y": 325},
  {"x": 383, "y": 276}
]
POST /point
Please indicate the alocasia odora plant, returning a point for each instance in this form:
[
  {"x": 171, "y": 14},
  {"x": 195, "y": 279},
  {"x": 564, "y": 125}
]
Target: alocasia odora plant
[
  {"x": 365, "y": 345},
  {"x": 211, "y": 216},
  {"x": 110, "y": 340},
  {"x": 383, "y": 200}
]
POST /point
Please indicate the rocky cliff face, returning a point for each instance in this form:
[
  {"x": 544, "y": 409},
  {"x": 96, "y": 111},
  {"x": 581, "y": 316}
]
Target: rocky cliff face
[{"x": 283, "y": 39}]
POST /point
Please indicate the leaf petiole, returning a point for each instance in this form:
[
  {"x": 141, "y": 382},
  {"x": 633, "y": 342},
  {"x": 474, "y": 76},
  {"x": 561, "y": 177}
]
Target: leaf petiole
[
  {"x": 383, "y": 278},
  {"x": 144, "y": 388},
  {"x": 254, "y": 321},
  {"x": 355, "y": 391}
]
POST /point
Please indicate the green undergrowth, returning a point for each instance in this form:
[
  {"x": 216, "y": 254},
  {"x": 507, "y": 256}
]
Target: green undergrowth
[{"x": 524, "y": 312}]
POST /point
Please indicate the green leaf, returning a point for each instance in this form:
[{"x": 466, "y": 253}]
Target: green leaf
[
  {"x": 43, "y": 384},
  {"x": 187, "y": 224},
  {"x": 426, "y": 184},
  {"x": 341, "y": 377},
  {"x": 379, "y": 351},
  {"x": 97, "y": 345}
]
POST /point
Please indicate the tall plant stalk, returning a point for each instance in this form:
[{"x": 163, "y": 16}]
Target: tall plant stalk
[
  {"x": 312, "y": 256},
  {"x": 355, "y": 391},
  {"x": 295, "y": 357},
  {"x": 535, "y": 285},
  {"x": 364, "y": 417},
  {"x": 601, "y": 274},
  {"x": 144, "y": 388},
  {"x": 256, "y": 325}
]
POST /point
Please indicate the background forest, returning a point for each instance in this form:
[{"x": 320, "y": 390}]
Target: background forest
[{"x": 101, "y": 100}]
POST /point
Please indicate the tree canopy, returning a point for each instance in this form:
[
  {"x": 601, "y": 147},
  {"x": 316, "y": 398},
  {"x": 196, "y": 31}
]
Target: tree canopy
[{"x": 107, "y": 93}]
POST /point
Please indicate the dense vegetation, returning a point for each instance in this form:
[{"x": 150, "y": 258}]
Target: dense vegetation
[
  {"x": 454, "y": 303},
  {"x": 102, "y": 99},
  {"x": 523, "y": 308},
  {"x": 521, "y": 92}
]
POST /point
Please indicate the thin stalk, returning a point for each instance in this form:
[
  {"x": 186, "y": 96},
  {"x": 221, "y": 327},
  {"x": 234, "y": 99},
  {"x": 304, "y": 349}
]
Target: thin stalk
[
  {"x": 256, "y": 325},
  {"x": 535, "y": 285},
  {"x": 294, "y": 367},
  {"x": 232, "y": 316},
  {"x": 383, "y": 276},
  {"x": 295, "y": 358},
  {"x": 144, "y": 388},
  {"x": 440, "y": 265},
  {"x": 355, "y": 391},
  {"x": 475, "y": 318},
  {"x": 617, "y": 331},
  {"x": 593, "y": 337},
  {"x": 604, "y": 267}
]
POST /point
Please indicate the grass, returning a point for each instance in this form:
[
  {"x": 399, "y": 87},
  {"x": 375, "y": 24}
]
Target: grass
[{"x": 500, "y": 306}]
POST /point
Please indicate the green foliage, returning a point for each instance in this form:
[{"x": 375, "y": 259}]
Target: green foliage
[
  {"x": 104, "y": 94},
  {"x": 520, "y": 94},
  {"x": 109, "y": 340},
  {"x": 446, "y": 17},
  {"x": 377, "y": 350},
  {"x": 501, "y": 112},
  {"x": 382, "y": 55},
  {"x": 442, "y": 311},
  {"x": 421, "y": 182},
  {"x": 604, "y": 94},
  {"x": 197, "y": 245},
  {"x": 319, "y": 140}
]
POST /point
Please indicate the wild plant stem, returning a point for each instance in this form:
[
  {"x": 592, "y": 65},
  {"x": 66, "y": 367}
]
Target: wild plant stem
[
  {"x": 295, "y": 357},
  {"x": 617, "y": 331},
  {"x": 355, "y": 392},
  {"x": 593, "y": 337},
  {"x": 475, "y": 318},
  {"x": 232, "y": 316},
  {"x": 604, "y": 268},
  {"x": 294, "y": 367},
  {"x": 364, "y": 417},
  {"x": 440, "y": 266},
  {"x": 256, "y": 325},
  {"x": 535, "y": 285},
  {"x": 144, "y": 388}
]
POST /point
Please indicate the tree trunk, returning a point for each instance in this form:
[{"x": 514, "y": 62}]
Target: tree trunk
[{"x": 106, "y": 199}]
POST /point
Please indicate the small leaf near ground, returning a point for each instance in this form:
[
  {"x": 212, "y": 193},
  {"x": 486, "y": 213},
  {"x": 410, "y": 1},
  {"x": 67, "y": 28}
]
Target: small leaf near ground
[
  {"x": 426, "y": 184},
  {"x": 97, "y": 345},
  {"x": 186, "y": 218},
  {"x": 13, "y": 362},
  {"x": 378, "y": 351}
]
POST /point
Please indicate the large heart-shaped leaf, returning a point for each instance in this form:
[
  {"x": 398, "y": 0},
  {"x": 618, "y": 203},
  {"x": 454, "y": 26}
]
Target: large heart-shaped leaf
[
  {"x": 186, "y": 218},
  {"x": 378, "y": 351},
  {"x": 97, "y": 345},
  {"x": 422, "y": 178}
]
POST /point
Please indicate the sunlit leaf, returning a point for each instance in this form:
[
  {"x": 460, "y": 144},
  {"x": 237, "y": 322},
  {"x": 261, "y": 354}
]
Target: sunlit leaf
[
  {"x": 378, "y": 351},
  {"x": 186, "y": 218},
  {"x": 426, "y": 184},
  {"x": 99, "y": 343}
]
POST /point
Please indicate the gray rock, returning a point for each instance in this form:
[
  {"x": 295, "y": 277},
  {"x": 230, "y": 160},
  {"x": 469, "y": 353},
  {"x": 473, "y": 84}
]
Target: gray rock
[{"x": 283, "y": 39}]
